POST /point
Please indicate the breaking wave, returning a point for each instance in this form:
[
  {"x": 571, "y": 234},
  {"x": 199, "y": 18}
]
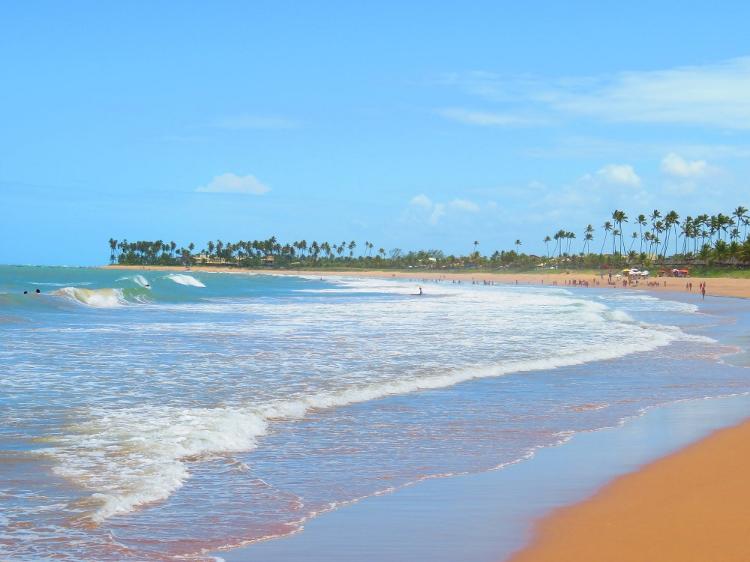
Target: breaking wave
[
  {"x": 136, "y": 456},
  {"x": 139, "y": 280},
  {"x": 97, "y": 298},
  {"x": 183, "y": 279}
]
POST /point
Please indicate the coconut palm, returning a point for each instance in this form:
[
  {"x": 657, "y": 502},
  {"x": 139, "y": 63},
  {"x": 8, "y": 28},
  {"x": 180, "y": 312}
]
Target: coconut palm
[
  {"x": 740, "y": 213},
  {"x": 633, "y": 237},
  {"x": 619, "y": 217},
  {"x": 607, "y": 226},
  {"x": 588, "y": 237},
  {"x": 112, "y": 249},
  {"x": 641, "y": 220}
]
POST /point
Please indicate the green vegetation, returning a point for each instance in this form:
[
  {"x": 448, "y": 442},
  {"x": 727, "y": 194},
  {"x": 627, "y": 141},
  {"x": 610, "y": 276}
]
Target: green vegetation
[{"x": 708, "y": 244}]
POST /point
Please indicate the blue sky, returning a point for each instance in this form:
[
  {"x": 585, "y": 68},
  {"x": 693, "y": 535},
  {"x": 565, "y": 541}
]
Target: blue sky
[{"x": 422, "y": 126}]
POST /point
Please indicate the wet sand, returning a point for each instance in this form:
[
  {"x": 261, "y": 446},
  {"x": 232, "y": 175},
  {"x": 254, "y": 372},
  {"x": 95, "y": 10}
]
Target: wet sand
[
  {"x": 715, "y": 286},
  {"x": 693, "y": 505},
  {"x": 488, "y": 516}
]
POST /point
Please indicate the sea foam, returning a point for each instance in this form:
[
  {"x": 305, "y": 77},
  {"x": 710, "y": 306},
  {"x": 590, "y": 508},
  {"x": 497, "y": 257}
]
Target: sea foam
[
  {"x": 183, "y": 279},
  {"x": 131, "y": 456}
]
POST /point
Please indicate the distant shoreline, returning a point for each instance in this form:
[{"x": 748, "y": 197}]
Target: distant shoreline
[{"x": 716, "y": 286}]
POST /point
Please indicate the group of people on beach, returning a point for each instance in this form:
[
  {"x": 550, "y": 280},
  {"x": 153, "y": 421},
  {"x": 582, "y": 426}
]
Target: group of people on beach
[
  {"x": 612, "y": 281},
  {"x": 701, "y": 288}
]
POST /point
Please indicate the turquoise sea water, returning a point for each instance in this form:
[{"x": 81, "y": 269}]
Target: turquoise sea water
[{"x": 158, "y": 415}]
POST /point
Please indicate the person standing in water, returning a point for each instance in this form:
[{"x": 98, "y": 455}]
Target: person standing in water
[
  {"x": 420, "y": 291},
  {"x": 703, "y": 291}
]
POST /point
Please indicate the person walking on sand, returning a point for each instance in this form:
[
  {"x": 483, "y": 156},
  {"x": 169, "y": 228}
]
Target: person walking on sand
[{"x": 703, "y": 291}]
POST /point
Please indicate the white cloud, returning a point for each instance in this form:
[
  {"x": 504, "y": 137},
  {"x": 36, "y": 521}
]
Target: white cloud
[
  {"x": 232, "y": 183},
  {"x": 245, "y": 121},
  {"x": 438, "y": 211},
  {"x": 422, "y": 200},
  {"x": 464, "y": 205},
  {"x": 434, "y": 211},
  {"x": 675, "y": 165},
  {"x": 713, "y": 95},
  {"x": 619, "y": 174},
  {"x": 573, "y": 146},
  {"x": 485, "y": 118}
]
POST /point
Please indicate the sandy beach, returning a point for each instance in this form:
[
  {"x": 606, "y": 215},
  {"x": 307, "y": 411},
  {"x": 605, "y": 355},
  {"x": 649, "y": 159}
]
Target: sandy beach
[
  {"x": 693, "y": 505},
  {"x": 715, "y": 286}
]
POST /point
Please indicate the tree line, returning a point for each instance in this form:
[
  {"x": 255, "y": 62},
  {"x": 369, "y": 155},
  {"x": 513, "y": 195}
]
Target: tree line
[{"x": 655, "y": 238}]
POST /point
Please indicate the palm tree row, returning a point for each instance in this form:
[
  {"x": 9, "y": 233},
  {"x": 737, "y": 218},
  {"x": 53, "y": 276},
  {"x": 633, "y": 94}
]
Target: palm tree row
[
  {"x": 657, "y": 234},
  {"x": 241, "y": 253},
  {"x": 721, "y": 238}
]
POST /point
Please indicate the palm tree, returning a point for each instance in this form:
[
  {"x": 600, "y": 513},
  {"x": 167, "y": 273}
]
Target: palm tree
[
  {"x": 607, "y": 227},
  {"x": 476, "y": 243},
  {"x": 547, "y": 240},
  {"x": 641, "y": 220},
  {"x": 559, "y": 237},
  {"x": 634, "y": 237},
  {"x": 112, "y": 248},
  {"x": 588, "y": 237},
  {"x": 654, "y": 216},
  {"x": 619, "y": 217},
  {"x": 658, "y": 229},
  {"x": 569, "y": 236},
  {"x": 671, "y": 220},
  {"x": 740, "y": 213}
]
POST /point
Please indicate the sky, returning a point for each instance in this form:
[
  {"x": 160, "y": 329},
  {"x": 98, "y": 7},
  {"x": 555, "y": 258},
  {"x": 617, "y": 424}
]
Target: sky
[{"x": 413, "y": 125}]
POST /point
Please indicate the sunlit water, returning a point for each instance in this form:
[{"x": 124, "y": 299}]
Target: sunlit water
[{"x": 162, "y": 415}]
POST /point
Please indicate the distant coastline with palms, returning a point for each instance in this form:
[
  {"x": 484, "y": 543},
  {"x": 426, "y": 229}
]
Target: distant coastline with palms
[{"x": 707, "y": 242}]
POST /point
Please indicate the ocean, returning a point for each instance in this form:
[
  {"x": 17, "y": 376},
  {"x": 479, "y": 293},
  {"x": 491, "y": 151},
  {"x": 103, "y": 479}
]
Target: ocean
[{"x": 161, "y": 415}]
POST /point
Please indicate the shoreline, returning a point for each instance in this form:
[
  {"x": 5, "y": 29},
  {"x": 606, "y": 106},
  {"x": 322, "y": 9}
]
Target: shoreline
[
  {"x": 490, "y": 516},
  {"x": 692, "y": 505},
  {"x": 716, "y": 286}
]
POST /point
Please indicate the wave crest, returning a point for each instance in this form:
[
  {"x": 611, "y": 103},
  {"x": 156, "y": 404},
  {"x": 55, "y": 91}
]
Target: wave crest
[
  {"x": 183, "y": 279},
  {"x": 97, "y": 298}
]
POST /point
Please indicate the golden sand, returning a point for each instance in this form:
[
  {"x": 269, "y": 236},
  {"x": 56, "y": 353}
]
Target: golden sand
[{"x": 692, "y": 506}]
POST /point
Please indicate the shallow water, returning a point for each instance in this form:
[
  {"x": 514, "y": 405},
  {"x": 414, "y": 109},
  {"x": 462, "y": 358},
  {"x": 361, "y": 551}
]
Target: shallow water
[{"x": 129, "y": 400}]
